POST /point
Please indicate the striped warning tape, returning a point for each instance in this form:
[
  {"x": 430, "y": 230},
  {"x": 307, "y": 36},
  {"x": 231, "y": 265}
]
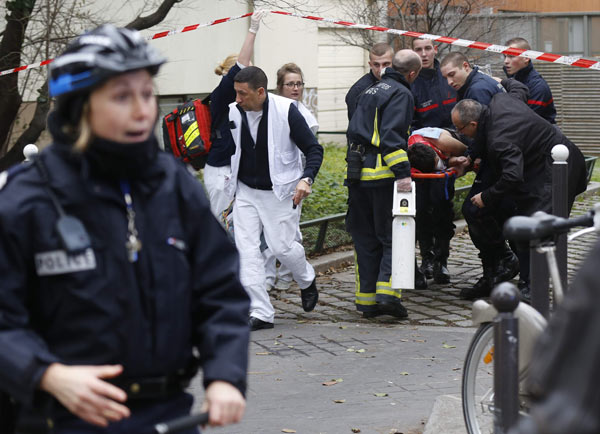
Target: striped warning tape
[{"x": 499, "y": 49}]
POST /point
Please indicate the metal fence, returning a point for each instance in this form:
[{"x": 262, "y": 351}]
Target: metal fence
[{"x": 329, "y": 232}]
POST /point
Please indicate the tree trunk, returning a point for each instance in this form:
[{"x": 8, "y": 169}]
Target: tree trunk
[
  {"x": 33, "y": 131},
  {"x": 10, "y": 57}
]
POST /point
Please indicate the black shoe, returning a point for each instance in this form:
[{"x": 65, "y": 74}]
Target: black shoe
[
  {"x": 371, "y": 314},
  {"x": 427, "y": 267},
  {"x": 394, "y": 309},
  {"x": 481, "y": 289},
  {"x": 525, "y": 291},
  {"x": 440, "y": 272},
  {"x": 259, "y": 324},
  {"x": 420, "y": 281},
  {"x": 506, "y": 269},
  {"x": 309, "y": 296}
]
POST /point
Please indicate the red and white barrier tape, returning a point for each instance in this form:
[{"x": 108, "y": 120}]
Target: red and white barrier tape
[{"x": 499, "y": 49}]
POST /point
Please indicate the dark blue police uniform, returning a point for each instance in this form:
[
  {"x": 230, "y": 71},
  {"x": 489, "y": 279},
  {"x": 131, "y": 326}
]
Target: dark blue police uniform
[
  {"x": 363, "y": 83},
  {"x": 434, "y": 99},
  {"x": 97, "y": 307},
  {"x": 540, "y": 96}
]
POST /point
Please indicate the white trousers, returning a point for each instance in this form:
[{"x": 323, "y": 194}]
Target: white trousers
[
  {"x": 214, "y": 181},
  {"x": 259, "y": 211},
  {"x": 274, "y": 274}
]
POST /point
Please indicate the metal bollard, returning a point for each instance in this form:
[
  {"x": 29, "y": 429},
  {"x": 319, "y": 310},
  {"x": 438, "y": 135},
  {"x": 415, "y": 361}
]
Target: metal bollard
[
  {"x": 29, "y": 151},
  {"x": 505, "y": 298},
  {"x": 560, "y": 205}
]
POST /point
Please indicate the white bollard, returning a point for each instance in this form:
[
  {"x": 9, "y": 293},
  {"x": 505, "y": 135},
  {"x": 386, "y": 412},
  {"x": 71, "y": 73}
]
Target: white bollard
[
  {"x": 404, "y": 210},
  {"x": 29, "y": 151}
]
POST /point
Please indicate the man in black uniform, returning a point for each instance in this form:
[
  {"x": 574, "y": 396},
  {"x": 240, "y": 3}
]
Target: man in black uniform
[
  {"x": 521, "y": 69},
  {"x": 380, "y": 57},
  {"x": 501, "y": 264},
  {"x": 518, "y": 146},
  {"x": 434, "y": 99},
  {"x": 379, "y": 131}
]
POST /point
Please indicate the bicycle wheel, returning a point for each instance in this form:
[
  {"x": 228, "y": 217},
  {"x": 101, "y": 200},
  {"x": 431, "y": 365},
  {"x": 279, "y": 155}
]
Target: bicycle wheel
[{"x": 478, "y": 382}]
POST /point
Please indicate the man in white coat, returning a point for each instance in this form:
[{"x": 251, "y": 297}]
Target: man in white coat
[{"x": 268, "y": 181}]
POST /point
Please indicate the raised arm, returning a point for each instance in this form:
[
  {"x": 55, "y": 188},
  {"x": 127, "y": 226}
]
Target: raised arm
[{"x": 247, "y": 50}]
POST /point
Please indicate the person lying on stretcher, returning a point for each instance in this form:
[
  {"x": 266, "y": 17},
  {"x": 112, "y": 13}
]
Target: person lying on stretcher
[{"x": 433, "y": 150}]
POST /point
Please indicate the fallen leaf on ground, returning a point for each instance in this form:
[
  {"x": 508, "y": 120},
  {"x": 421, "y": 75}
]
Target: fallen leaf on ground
[
  {"x": 350, "y": 350},
  {"x": 404, "y": 373},
  {"x": 448, "y": 346},
  {"x": 362, "y": 350},
  {"x": 288, "y": 430},
  {"x": 333, "y": 382},
  {"x": 264, "y": 353},
  {"x": 339, "y": 401},
  {"x": 380, "y": 395},
  {"x": 343, "y": 327},
  {"x": 355, "y": 429}
]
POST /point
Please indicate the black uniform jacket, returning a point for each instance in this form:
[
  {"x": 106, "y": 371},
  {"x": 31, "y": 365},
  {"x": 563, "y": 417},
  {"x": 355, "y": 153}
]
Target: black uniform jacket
[
  {"x": 381, "y": 123},
  {"x": 518, "y": 145},
  {"x": 363, "y": 83},
  {"x": 434, "y": 99},
  {"x": 540, "y": 96},
  {"x": 98, "y": 308}
]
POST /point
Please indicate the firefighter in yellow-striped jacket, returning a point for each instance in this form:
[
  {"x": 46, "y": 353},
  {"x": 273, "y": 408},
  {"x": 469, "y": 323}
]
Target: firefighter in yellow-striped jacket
[{"x": 377, "y": 143}]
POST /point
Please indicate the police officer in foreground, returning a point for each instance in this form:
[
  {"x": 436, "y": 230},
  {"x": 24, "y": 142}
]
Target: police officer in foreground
[
  {"x": 114, "y": 271},
  {"x": 378, "y": 133}
]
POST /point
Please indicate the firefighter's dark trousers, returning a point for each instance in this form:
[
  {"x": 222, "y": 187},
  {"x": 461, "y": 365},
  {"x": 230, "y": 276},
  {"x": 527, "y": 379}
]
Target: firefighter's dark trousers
[{"x": 369, "y": 222}]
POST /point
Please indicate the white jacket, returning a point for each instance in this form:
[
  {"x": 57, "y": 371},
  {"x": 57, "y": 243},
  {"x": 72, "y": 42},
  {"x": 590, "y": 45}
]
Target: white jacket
[{"x": 285, "y": 162}]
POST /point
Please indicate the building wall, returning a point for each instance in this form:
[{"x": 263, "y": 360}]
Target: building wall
[{"x": 551, "y": 5}]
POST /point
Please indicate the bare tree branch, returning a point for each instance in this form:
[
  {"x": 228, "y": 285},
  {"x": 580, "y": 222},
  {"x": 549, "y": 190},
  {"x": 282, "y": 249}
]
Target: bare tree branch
[{"x": 141, "y": 23}]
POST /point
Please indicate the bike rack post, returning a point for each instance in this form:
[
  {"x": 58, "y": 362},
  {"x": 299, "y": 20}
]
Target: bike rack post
[
  {"x": 505, "y": 298},
  {"x": 560, "y": 205}
]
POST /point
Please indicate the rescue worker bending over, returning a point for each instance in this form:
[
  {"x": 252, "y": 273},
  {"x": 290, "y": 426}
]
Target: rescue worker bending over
[{"x": 378, "y": 133}]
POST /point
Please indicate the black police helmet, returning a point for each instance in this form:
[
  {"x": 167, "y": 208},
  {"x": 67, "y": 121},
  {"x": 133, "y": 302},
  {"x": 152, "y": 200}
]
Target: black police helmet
[{"x": 100, "y": 54}]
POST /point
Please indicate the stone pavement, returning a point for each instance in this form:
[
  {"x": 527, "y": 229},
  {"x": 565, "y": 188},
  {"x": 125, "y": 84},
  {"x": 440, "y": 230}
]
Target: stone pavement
[{"x": 381, "y": 375}]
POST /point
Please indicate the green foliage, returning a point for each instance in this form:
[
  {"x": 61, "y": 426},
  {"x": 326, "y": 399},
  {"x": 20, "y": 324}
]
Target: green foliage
[{"x": 329, "y": 195}]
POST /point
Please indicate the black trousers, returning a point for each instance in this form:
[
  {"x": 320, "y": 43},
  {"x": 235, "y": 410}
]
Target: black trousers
[
  {"x": 435, "y": 215},
  {"x": 369, "y": 222}
]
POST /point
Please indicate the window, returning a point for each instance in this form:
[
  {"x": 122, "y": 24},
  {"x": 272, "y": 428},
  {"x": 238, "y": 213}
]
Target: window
[
  {"x": 561, "y": 35},
  {"x": 594, "y": 28}
]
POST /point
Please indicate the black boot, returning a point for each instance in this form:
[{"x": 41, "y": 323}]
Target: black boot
[
  {"x": 483, "y": 287},
  {"x": 420, "y": 281},
  {"x": 440, "y": 262},
  {"x": 525, "y": 291},
  {"x": 507, "y": 267},
  {"x": 426, "y": 248},
  {"x": 440, "y": 272}
]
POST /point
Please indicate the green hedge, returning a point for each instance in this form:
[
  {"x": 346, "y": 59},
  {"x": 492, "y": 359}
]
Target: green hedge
[{"x": 329, "y": 195}]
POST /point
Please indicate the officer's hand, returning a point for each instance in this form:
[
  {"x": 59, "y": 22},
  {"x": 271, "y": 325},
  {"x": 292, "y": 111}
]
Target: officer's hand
[
  {"x": 225, "y": 404},
  {"x": 477, "y": 201},
  {"x": 302, "y": 191},
  {"x": 81, "y": 390},
  {"x": 404, "y": 184}
]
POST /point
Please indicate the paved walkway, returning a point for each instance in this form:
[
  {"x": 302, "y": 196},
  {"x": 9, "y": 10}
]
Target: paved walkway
[{"x": 330, "y": 371}]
